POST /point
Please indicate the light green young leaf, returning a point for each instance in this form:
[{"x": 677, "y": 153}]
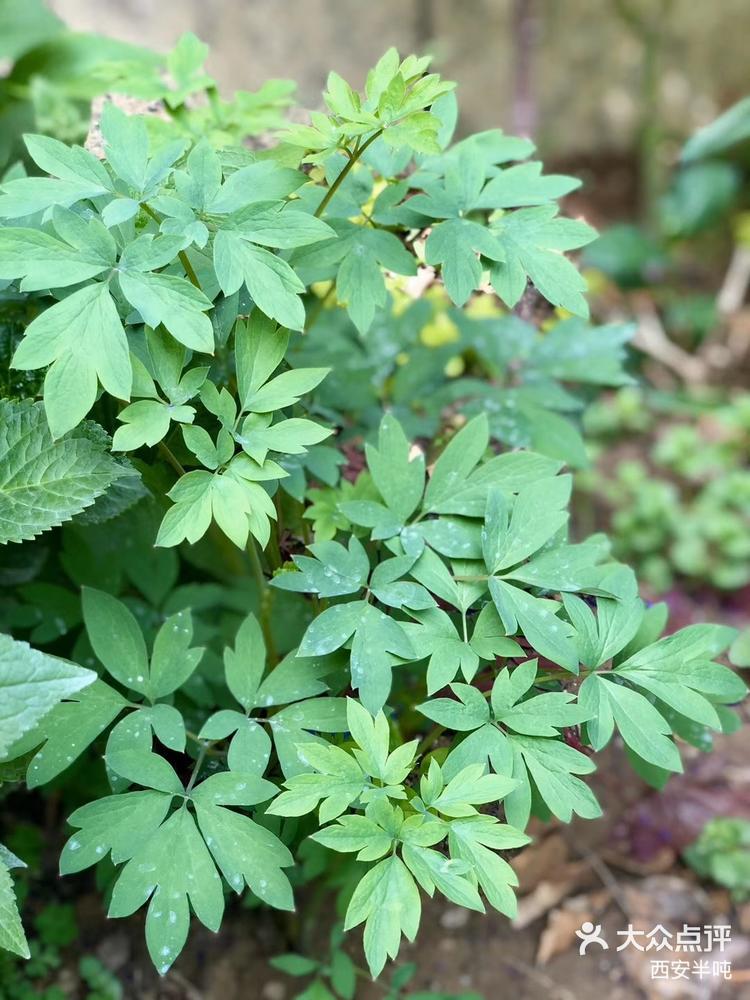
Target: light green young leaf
[
  {"x": 31, "y": 684},
  {"x": 476, "y": 839},
  {"x": 147, "y": 421},
  {"x": 337, "y": 782},
  {"x": 387, "y": 900},
  {"x": 291, "y": 437},
  {"x": 433, "y": 871},
  {"x": 83, "y": 340}
]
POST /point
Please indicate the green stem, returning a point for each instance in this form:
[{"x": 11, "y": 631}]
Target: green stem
[
  {"x": 264, "y": 595},
  {"x": 197, "y": 768},
  {"x": 434, "y": 734},
  {"x": 184, "y": 260},
  {"x": 317, "y": 308},
  {"x": 171, "y": 458},
  {"x": 210, "y": 752},
  {"x": 353, "y": 157}
]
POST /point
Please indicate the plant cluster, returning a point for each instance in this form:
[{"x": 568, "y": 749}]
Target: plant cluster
[
  {"x": 383, "y": 707},
  {"x": 722, "y": 853},
  {"x": 684, "y": 511}
]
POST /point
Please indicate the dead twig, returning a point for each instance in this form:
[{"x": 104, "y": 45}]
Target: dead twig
[{"x": 652, "y": 339}]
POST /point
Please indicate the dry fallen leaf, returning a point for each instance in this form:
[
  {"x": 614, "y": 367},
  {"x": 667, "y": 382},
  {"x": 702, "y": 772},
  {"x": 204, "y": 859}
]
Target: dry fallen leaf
[{"x": 560, "y": 933}]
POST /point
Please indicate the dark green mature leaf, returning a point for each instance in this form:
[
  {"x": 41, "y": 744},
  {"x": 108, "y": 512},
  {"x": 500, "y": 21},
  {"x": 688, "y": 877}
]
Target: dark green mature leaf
[
  {"x": 12, "y": 937},
  {"x": 44, "y": 482},
  {"x": 455, "y": 244},
  {"x": 170, "y": 868}
]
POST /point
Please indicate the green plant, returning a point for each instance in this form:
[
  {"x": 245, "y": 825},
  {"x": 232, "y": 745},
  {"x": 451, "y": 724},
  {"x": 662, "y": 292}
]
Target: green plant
[
  {"x": 384, "y": 708},
  {"x": 337, "y": 975},
  {"x": 684, "y": 511},
  {"x": 722, "y": 854}
]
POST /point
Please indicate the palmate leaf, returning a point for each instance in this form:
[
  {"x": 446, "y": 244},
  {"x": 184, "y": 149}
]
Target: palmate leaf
[
  {"x": 238, "y": 504},
  {"x": 69, "y": 729},
  {"x": 44, "y": 482},
  {"x": 454, "y": 244},
  {"x": 168, "y": 861},
  {"x": 293, "y": 683},
  {"x": 533, "y": 241},
  {"x": 43, "y": 261},
  {"x": 377, "y": 643},
  {"x": 83, "y": 341},
  {"x": 118, "y": 642},
  {"x": 676, "y": 671},
  {"x": 476, "y": 839},
  {"x": 387, "y": 901},
  {"x": 31, "y": 684}
]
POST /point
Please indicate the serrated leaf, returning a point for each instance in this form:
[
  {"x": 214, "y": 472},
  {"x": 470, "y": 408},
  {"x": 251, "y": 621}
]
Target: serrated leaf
[
  {"x": 45, "y": 482},
  {"x": 12, "y": 937},
  {"x": 31, "y": 684}
]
